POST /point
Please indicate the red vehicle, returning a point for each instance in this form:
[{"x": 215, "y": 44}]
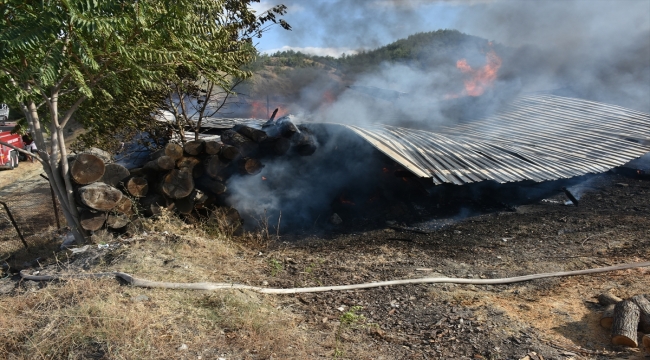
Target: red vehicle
[{"x": 9, "y": 156}]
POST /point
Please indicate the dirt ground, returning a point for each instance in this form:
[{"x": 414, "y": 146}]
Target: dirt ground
[{"x": 556, "y": 318}]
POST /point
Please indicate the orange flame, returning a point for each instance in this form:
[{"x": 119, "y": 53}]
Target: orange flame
[
  {"x": 479, "y": 79},
  {"x": 258, "y": 110}
]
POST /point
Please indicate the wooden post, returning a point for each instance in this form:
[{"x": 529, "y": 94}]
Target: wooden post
[{"x": 13, "y": 222}]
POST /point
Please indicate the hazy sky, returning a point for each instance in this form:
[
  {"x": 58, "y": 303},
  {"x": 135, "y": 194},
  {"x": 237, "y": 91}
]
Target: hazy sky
[{"x": 335, "y": 26}]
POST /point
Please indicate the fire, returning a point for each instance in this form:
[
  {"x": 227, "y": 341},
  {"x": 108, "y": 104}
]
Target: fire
[
  {"x": 478, "y": 79},
  {"x": 259, "y": 110}
]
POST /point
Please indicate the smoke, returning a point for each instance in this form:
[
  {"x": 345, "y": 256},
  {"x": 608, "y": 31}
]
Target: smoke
[{"x": 598, "y": 50}]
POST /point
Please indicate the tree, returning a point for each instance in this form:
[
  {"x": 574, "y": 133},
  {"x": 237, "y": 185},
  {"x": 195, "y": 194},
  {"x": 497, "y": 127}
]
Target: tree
[{"x": 55, "y": 55}]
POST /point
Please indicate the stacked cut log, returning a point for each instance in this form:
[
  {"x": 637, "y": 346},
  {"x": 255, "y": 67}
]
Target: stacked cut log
[
  {"x": 186, "y": 178},
  {"x": 625, "y": 318}
]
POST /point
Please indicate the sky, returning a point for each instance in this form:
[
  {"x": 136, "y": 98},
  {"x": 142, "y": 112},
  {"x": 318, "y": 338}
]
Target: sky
[{"x": 333, "y": 27}]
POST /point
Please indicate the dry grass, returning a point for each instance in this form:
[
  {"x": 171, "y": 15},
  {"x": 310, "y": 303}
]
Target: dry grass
[{"x": 102, "y": 319}]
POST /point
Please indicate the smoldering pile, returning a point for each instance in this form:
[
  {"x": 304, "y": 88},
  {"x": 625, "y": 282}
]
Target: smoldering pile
[{"x": 189, "y": 179}]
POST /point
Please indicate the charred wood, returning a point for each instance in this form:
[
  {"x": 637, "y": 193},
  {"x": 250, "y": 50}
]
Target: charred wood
[
  {"x": 304, "y": 143},
  {"x": 229, "y": 153},
  {"x": 570, "y": 196},
  {"x": 153, "y": 203},
  {"x": 256, "y": 135},
  {"x": 276, "y": 146},
  {"x": 214, "y": 166},
  {"x": 250, "y": 166},
  {"x": 210, "y": 185},
  {"x": 245, "y": 145},
  {"x": 187, "y": 204}
]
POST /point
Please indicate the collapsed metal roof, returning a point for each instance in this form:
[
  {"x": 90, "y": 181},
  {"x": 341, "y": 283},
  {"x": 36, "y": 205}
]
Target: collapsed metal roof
[{"x": 536, "y": 137}]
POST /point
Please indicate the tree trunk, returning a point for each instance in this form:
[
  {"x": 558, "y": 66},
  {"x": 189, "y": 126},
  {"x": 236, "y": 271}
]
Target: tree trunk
[
  {"x": 99, "y": 196},
  {"x": 87, "y": 168},
  {"x": 644, "y": 312},
  {"x": 137, "y": 186},
  {"x": 229, "y": 153},
  {"x": 160, "y": 164},
  {"x": 212, "y": 147},
  {"x": 117, "y": 221},
  {"x": 256, "y": 135},
  {"x": 92, "y": 221},
  {"x": 626, "y": 320},
  {"x": 178, "y": 184},
  {"x": 607, "y": 318},
  {"x": 194, "y": 147},
  {"x": 245, "y": 145},
  {"x": 114, "y": 174}
]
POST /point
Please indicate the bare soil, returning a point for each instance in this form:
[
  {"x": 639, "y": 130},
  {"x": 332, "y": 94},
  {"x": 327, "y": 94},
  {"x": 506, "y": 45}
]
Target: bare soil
[{"x": 556, "y": 318}]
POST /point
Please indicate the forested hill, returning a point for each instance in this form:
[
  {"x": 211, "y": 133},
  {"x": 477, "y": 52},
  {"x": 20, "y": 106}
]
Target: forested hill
[{"x": 423, "y": 50}]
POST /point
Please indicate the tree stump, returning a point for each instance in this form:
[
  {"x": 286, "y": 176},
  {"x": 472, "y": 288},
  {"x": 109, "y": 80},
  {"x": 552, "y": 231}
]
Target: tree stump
[
  {"x": 178, "y": 183},
  {"x": 114, "y": 174},
  {"x": 644, "y": 312},
  {"x": 229, "y": 153},
  {"x": 100, "y": 196},
  {"x": 117, "y": 221},
  {"x": 194, "y": 147},
  {"x": 608, "y": 299},
  {"x": 86, "y": 169},
  {"x": 137, "y": 186},
  {"x": 92, "y": 221},
  {"x": 626, "y": 320},
  {"x": 212, "y": 147},
  {"x": 607, "y": 318}
]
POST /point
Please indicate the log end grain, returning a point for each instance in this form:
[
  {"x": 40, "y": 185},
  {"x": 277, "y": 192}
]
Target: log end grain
[
  {"x": 100, "y": 196},
  {"x": 137, "y": 186},
  {"x": 87, "y": 168},
  {"x": 607, "y": 317},
  {"x": 178, "y": 183},
  {"x": 114, "y": 174},
  {"x": 646, "y": 342}
]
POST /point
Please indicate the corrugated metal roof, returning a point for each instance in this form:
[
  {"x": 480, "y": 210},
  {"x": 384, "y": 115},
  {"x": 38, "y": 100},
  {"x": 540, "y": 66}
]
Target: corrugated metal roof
[{"x": 536, "y": 137}]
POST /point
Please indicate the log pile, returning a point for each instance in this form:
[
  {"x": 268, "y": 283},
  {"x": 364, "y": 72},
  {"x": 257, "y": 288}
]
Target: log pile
[
  {"x": 188, "y": 178},
  {"x": 625, "y": 317}
]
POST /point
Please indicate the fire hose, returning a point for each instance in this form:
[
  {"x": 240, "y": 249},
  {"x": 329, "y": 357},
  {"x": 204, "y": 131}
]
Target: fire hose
[{"x": 210, "y": 286}]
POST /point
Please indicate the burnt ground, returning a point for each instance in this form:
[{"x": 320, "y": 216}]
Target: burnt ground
[{"x": 556, "y": 318}]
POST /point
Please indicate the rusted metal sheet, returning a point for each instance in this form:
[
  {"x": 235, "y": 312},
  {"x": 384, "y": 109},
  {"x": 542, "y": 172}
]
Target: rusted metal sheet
[{"x": 536, "y": 137}]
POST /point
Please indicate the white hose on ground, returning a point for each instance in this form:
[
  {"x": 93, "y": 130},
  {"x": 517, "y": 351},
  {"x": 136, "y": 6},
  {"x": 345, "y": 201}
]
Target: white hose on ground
[{"x": 209, "y": 286}]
